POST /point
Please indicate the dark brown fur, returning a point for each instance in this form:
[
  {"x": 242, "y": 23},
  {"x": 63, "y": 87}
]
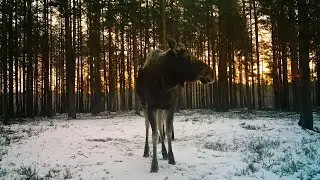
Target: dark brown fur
[{"x": 158, "y": 86}]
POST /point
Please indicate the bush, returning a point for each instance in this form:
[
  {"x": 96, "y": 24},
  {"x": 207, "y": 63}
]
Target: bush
[
  {"x": 28, "y": 173},
  {"x": 220, "y": 146}
]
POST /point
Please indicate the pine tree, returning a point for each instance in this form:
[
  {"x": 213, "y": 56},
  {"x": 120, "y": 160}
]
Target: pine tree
[{"x": 306, "y": 117}]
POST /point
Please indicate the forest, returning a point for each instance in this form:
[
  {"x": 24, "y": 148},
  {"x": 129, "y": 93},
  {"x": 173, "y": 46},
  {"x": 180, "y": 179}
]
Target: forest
[
  {"x": 69, "y": 107},
  {"x": 82, "y": 56}
]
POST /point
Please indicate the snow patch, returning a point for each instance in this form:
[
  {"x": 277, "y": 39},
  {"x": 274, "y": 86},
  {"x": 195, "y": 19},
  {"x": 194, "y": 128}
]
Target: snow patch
[{"x": 208, "y": 145}]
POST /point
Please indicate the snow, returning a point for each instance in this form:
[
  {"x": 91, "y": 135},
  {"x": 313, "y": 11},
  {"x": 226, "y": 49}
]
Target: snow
[{"x": 208, "y": 145}]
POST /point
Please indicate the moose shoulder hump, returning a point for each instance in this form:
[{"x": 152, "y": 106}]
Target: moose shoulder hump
[{"x": 153, "y": 58}]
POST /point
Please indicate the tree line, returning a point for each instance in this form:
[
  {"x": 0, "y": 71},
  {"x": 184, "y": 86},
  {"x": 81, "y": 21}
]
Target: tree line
[{"x": 69, "y": 56}]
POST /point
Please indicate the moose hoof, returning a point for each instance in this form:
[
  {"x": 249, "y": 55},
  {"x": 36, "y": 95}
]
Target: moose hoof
[
  {"x": 146, "y": 151},
  {"x": 145, "y": 155},
  {"x": 172, "y": 161},
  {"x": 164, "y": 153},
  {"x": 154, "y": 166},
  {"x": 165, "y": 156}
]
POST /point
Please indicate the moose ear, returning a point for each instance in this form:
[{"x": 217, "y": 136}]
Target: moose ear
[{"x": 172, "y": 42}]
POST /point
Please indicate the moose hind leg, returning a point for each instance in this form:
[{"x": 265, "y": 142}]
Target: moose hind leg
[
  {"x": 153, "y": 123},
  {"x": 160, "y": 121},
  {"x": 146, "y": 146},
  {"x": 172, "y": 133},
  {"x": 169, "y": 128}
]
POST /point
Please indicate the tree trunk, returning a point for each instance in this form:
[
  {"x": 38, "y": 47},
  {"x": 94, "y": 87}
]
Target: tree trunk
[
  {"x": 16, "y": 65},
  {"x": 257, "y": 53},
  {"x": 318, "y": 76},
  {"x": 251, "y": 61},
  {"x": 230, "y": 73},
  {"x": 129, "y": 70},
  {"x": 240, "y": 82},
  {"x": 4, "y": 60},
  {"x": 163, "y": 24},
  {"x": 122, "y": 68},
  {"x": 135, "y": 52},
  {"x": 246, "y": 60},
  {"x": 306, "y": 117},
  {"x": 285, "y": 89},
  {"x": 154, "y": 23},
  {"x": 294, "y": 58},
  {"x": 94, "y": 14},
  {"x": 209, "y": 26},
  {"x": 104, "y": 68},
  {"x": 112, "y": 88},
  {"x": 223, "y": 79},
  {"x": 62, "y": 59},
  {"x": 80, "y": 59},
  {"x": 29, "y": 84},
  {"x": 214, "y": 62},
  {"x": 10, "y": 59},
  {"x": 45, "y": 58},
  {"x": 70, "y": 63},
  {"x": 36, "y": 63},
  {"x": 275, "y": 77},
  {"x": 234, "y": 84}
]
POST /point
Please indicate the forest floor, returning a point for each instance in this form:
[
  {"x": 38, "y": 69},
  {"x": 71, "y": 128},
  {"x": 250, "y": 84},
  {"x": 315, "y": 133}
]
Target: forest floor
[{"x": 209, "y": 145}]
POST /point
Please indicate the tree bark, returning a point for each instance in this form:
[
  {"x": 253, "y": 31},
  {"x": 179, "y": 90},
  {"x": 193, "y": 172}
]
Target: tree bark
[
  {"x": 294, "y": 57},
  {"x": 257, "y": 53},
  {"x": 94, "y": 14},
  {"x": 122, "y": 67},
  {"x": 318, "y": 76},
  {"x": 10, "y": 59},
  {"x": 80, "y": 59},
  {"x": 240, "y": 82},
  {"x": 275, "y": 77},
  {"x": 223, "y": 79},
  {"x": 16, "y": 61},
  {"x": 129, "y": 70},
  {"x": 70, "y": 64},
  {"x": 163, "y": 24},
  {"x": 246, "y": 60},
  {"x": 29, "y": 83},
  {"x": 135, "y": 52},
  {"x": 253, "y": 106},
  {"x": 4, "y": 60},
  {"x": 306, "y": 117},
  {"x": 112, "y": 88},
  {"x": 45, "y": 57},
  {"x": 285, "y": 89}
]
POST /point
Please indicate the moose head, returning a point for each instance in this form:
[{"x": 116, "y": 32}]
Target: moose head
[{"x": 184, "y": 66}]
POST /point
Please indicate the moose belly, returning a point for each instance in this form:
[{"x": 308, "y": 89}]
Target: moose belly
[{"x": 161, "y": 100}]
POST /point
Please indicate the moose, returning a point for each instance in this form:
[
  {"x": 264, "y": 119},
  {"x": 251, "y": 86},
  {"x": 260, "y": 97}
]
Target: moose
[{"x": 158, "y": 85}]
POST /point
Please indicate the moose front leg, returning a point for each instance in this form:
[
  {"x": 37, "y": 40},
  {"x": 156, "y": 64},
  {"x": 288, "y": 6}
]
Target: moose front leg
[
  {"x": 153, "y": 122},
  {"x": 160, "y": 121},
  {"x": 169, "y": 128}
]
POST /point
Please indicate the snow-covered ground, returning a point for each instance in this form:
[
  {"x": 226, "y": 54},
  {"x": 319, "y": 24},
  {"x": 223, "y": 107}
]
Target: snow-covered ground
[{"x": 208, "y": 145}]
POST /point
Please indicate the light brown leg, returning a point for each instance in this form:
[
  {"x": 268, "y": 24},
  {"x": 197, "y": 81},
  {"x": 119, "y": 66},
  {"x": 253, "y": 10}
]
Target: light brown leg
[
  {"x": 169, "y": 127},
  {"x": 153, "y": 123},
  {"x": 146, "y": 146},
  {"x": 160, "y": 122}
]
